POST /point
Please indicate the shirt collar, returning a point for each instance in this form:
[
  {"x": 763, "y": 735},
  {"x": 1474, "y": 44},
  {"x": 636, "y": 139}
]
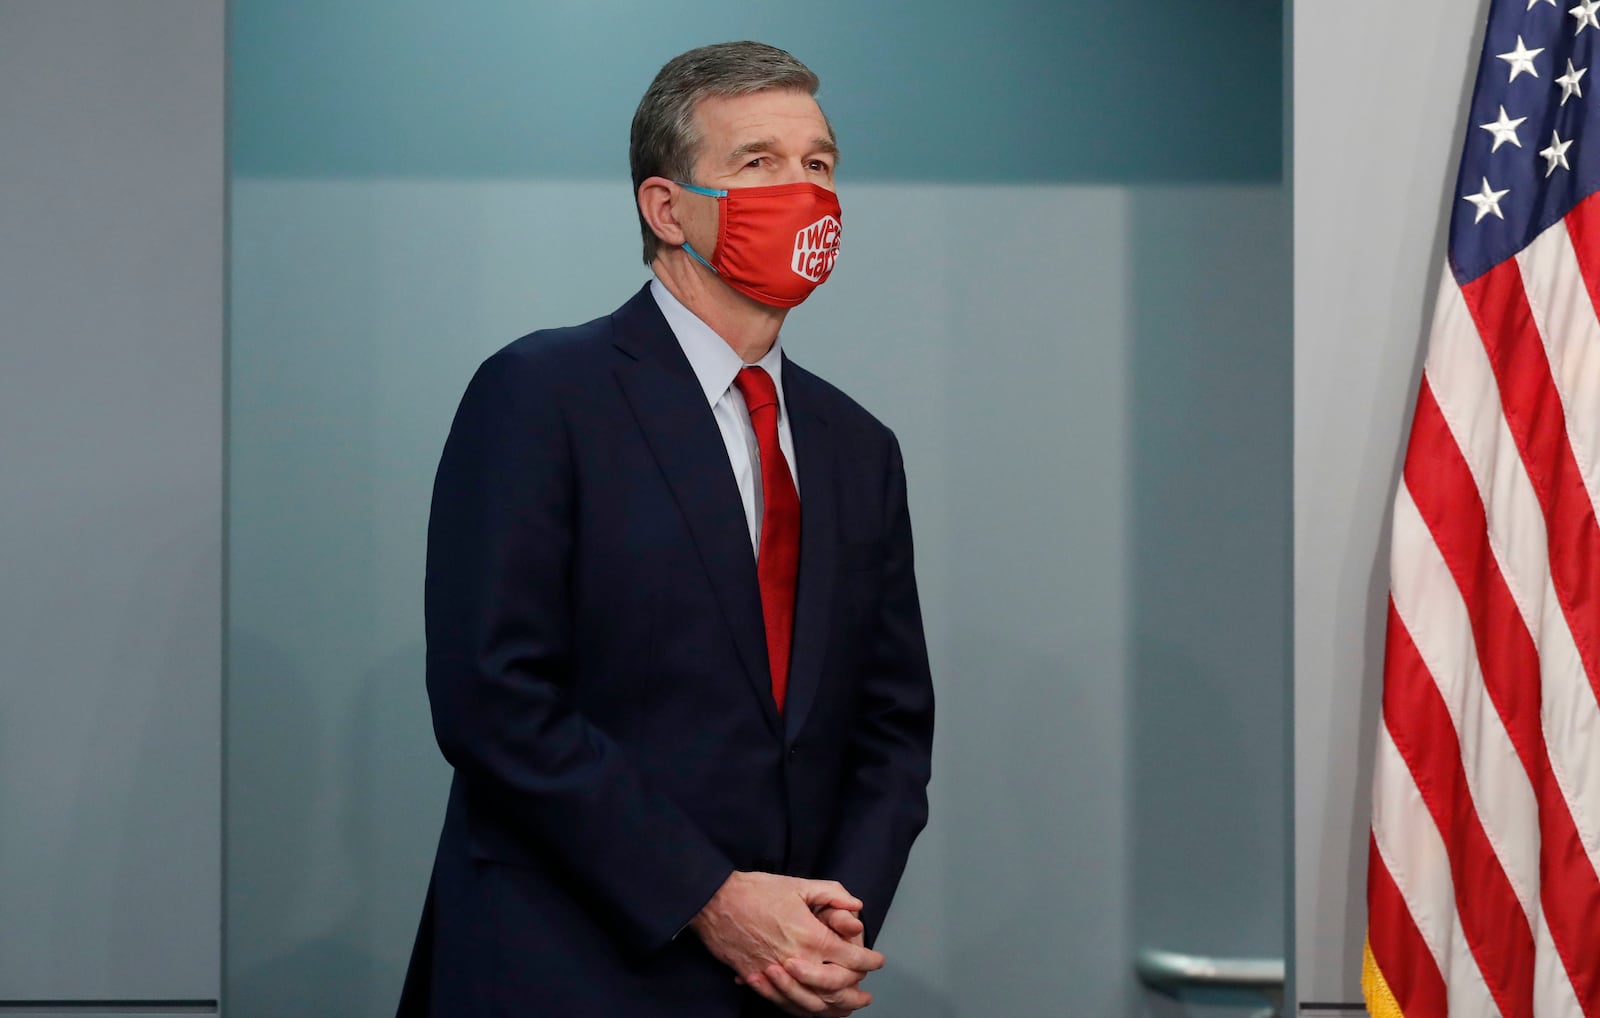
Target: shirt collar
[{"x": 713, "y": 360}]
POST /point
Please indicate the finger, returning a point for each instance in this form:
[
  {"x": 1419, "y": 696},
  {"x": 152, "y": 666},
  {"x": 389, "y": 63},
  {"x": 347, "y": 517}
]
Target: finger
[
  {"x": 830, "y": 893},
  {"x": 773, "y": 995},
  {"x": 845, "y": 924},
  {"x": 841, "y": 1002},
  {"x": 792, "y": 997},
  {"x": 851, "y": 956},
  {"x": 823, "y": 979}
]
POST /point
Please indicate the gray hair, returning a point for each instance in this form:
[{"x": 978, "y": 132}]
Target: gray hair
[{"x": 665, "y": 137}]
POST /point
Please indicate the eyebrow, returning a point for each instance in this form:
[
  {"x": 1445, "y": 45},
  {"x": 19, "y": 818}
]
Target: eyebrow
[{"x": 824, "y": 145}]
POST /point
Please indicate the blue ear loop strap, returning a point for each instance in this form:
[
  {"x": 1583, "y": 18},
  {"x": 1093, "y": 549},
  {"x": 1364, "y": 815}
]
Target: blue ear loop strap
[
  {"x": 689, "y": 248},
  {"x": 709, "y": 193},
  {"x": 697, "y": 189}
]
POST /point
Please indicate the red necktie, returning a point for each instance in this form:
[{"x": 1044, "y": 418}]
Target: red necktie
[{"x": 778, "y": 561}]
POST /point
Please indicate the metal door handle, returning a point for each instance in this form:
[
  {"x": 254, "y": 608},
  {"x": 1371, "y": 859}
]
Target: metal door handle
[{"x": 1171, "y": 970}]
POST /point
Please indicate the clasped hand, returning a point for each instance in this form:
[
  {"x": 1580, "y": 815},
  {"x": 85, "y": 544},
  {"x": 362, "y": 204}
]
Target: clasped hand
[{"x": 799, "y": 943}]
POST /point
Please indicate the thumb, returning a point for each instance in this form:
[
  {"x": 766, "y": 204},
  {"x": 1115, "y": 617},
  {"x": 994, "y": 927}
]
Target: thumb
[{"x": 830, "y": 893}]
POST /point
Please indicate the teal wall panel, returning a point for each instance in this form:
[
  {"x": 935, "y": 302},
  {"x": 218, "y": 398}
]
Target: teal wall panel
[{"x": 927, "y": 90}]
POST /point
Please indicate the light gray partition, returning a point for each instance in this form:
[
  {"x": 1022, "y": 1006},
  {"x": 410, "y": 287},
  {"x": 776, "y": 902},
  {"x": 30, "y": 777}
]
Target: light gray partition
[
  {"x": 1374, "y": 172},
  {"x": 114, "y": 1011},
  {"x": 111, "y": 254}
]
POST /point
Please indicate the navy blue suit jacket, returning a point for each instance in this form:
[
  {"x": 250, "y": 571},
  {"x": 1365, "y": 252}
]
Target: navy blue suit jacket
[{"x": 598, "y": 675}]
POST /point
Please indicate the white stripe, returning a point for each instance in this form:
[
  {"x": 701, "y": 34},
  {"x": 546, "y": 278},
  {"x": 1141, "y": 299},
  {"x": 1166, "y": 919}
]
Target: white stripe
[
  {"x": 1415, "y": 857},
  {"x": 1553, "y": 996},
  {"x": 1566, "y": 321},
  {"x": 1464, "y": 386},
  {"x": 1430, "y": 605}
]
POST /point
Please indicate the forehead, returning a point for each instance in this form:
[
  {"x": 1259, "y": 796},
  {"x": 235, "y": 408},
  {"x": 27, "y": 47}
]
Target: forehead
[{"x": 726, "y": 121}]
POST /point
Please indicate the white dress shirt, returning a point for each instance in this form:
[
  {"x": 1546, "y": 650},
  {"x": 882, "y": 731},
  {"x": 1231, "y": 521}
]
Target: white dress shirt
[{"x": 715, "y": 365}]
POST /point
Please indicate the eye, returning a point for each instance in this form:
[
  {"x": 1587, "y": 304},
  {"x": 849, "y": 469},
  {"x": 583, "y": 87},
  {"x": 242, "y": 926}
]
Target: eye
[{"x": 820, "y": 166}]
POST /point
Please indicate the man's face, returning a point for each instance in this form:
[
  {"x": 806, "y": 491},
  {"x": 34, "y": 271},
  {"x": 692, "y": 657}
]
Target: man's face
[{"x": 773, "y": 137}]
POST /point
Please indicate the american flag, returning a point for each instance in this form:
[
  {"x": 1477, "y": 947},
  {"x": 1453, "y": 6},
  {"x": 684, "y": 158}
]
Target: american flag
[{"x": 1482, "y": 891}]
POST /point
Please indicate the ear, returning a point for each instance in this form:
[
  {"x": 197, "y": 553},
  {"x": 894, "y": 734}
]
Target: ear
[{"x": 655, "y": 205}]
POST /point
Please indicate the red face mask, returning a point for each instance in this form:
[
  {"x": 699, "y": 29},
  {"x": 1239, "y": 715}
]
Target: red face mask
[{"x": 774, "y": 244}]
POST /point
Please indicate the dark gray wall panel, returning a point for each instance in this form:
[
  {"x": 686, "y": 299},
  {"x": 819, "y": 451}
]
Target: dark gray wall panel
[
  {"x": 111, "y": 242},
  {"x": 1095, "y": 437},
  {"x": 1210, "y": 370}
]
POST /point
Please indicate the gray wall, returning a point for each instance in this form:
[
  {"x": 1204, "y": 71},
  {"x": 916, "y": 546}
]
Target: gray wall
[
  {"x": 111, "y": 255},
  {"x": 1074, "y": 622},
  {"x": 1374, "y": 171},
  {"x": 1105, "y": 596}
]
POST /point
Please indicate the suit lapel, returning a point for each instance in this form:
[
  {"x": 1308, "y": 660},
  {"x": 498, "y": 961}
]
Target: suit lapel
[
  {"x": 671, "y": 411},
  {"x": 814, "y": 456}
]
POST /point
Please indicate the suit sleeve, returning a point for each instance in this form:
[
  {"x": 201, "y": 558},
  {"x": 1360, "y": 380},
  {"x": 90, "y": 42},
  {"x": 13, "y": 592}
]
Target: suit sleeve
[
  {"x": 885, "y": 802},
  {"x": 498, "y": 610}
]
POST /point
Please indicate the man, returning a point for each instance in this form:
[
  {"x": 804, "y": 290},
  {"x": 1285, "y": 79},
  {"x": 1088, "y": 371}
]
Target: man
[{"x": 675, "y": 653}]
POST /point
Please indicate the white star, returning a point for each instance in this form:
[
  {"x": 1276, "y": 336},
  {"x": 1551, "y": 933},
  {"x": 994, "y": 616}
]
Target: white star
[
  {"x": 1504, "y": 130},
  {"x": 1585, "y": 13},
  {"x": 1487, "y": 201},
  {"x": 1556, "y": 154},
  {"x": 1521, "y": 58},
  {"x": 1534, "y": 3},
  {"x": 1569, "y": 82}
]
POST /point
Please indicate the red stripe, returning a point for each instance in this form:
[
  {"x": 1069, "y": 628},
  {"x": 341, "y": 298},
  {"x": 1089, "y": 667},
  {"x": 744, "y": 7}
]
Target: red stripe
[
  {"x": 1446, "y": 495},
  {"x": 1397, "y": 945},
  {"x": 1447, "y": 498},
  {"x": 1583, "y": 227},
  {"x": 1496, "y": 928},
  {"x": 1533, "y": 412}
]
